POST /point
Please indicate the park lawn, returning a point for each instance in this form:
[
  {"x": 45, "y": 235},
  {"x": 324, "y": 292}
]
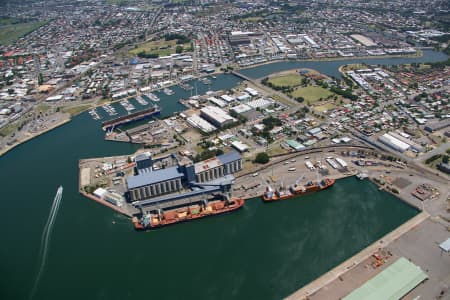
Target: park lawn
[
  {"x": 289, "y": 80},
  {"x": 325, "y": 107},
  {"x": 9, "y": 129},
  {"x": 11, "y": 33},
  {"x": 253, "y": 19},
  {"x": 160, "y": 47},
  {"x": 117, "y": 2},
  {"x": 103, "y": 101},
  {"x": 75, "y": 110},
  {"x": 276, "y": 149},
  {"x": 43, "y": 108},
  {"x": 311, "y": 93}
]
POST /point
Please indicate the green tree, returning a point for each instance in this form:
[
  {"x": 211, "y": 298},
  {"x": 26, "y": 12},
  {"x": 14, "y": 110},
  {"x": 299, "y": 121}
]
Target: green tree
[
  {"x": 179, "y": 49},
  {"x": 40, "y": 79},
  {"x": 262, "y": 158},
  {"x": 445, "y": 159}
]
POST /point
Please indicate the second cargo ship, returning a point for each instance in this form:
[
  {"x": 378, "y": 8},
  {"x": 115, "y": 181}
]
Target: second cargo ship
[{"x": 283, "y": 193}]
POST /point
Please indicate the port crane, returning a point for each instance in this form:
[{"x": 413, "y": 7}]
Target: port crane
[{"x": 298, "y": 180}]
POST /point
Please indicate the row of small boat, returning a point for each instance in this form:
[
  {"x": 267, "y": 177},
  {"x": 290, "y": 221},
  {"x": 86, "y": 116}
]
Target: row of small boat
[
  {"x": 110, "y": 110},
  {"x": 127, "y": 105},
  {"x": 94, "y": 114}
]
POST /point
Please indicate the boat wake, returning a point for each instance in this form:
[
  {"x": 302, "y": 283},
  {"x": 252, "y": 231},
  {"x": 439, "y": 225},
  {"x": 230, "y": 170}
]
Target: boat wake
[{"x": 45, "y": 239}]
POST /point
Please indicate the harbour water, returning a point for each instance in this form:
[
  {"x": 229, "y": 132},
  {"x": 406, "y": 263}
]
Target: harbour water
[{"x": 264, "y": 251}]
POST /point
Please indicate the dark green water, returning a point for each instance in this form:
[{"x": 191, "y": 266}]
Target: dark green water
[{"x": 262, "y": 251}]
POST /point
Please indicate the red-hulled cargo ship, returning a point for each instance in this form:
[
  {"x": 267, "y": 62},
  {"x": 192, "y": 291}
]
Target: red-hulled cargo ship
[
  {"x": 311, "y": 187},
  {"x": 153, "y": 221}
]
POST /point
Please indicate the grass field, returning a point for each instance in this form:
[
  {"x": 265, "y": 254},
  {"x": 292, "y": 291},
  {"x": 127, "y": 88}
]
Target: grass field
[
  {"x": 275, "y": 149},
  {"x": 75, "y": 110},
  {"x": 311, "y": 93},
  {"x": 160, "y": 47},
  {"x": 102, "y": 101},
  {"x": 12, "y": 32},
  {"x": 290, "y": 80},
  {"x": 43, "y": 108},
  {"x": 117, "y": 2},
  {"x": 325, "y": 107},
  {"x": 8, "y": 129},
  {"x": 253, "y": 19}
]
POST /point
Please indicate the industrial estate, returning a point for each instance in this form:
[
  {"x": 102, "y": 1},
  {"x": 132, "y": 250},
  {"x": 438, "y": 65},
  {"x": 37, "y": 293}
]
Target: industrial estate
[{"x": 226, "y": 102}]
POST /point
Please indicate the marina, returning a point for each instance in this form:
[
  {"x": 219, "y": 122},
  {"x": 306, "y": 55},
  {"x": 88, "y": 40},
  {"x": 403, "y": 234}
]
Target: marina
[
  {"x": 127, "y": 105},
  {"x": 168, "y": 91},
  {"x": 153, "y": 97},
  {"x": 109, "y": 109},
  {"x": 94, "y": 114},
  {"x": 205, "y": 80},
  {"x": 186, "y": 87},
  {"x": 141, "y": 100}
]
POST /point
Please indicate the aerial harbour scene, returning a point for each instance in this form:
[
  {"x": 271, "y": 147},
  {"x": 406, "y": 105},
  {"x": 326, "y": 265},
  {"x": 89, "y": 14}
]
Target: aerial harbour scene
[{"x": 225, "y": 149}]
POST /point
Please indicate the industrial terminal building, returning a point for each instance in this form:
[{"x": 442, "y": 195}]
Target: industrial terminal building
[
  {"x": 218, "y": 117},
  {"x": 149, "y": 183}
]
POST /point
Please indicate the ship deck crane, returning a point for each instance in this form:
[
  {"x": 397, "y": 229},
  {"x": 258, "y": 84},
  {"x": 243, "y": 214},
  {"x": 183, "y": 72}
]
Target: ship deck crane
[{"x": 299, "y": 179}]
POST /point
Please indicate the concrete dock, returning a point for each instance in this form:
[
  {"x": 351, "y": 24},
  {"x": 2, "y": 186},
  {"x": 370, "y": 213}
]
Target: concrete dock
[{"x": 309, "y": 290}]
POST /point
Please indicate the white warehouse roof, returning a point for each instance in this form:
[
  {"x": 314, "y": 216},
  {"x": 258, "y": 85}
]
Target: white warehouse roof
[
  {"x": 238, "y": 145},
  {"x": 227, "y": 98},
  {"x": 200, "y": 123},
  {"x": 259, "y": 103},
  {"x": 251, "y": 91},
  {"x": 241, "y": 108},
  {"x": 218, "y": 102},
  {"x": 217, "y": 114},
  {"x": 394, "y": 142}
]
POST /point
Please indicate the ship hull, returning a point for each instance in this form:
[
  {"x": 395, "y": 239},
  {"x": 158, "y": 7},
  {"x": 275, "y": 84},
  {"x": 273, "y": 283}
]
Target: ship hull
[
  {"x": 127, "y": 119},
  {"x": 330, "y": 183},
  {"x": 239, "y": 203}
]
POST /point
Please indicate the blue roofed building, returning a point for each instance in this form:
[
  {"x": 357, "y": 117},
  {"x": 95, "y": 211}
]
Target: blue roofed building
[
  {"x": 155, "y": 183},
  {"x": 149, "y": 183}
]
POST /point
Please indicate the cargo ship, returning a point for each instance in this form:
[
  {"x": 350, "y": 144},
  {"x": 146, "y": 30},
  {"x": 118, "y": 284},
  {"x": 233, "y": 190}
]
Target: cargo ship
[
  {"x": 184, "y": 214},
  {"x": 282, "y": 193},
  {"x": 137, "y": 116}
]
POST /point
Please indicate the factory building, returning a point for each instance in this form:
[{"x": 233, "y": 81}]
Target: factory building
[
  {"x": 149, "y": 183},
  {"x": 216, "y": 116},
  {"x": 217, "y": 167},
  {"x": 239, "y": 38},
  {"x": 200, "y": 123},
  {"x": 143, "y": 161},
  {"x": 394, "y": 143},
  {"x": 155, "y": 183},
  {"x": 435, "y": 126}
]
